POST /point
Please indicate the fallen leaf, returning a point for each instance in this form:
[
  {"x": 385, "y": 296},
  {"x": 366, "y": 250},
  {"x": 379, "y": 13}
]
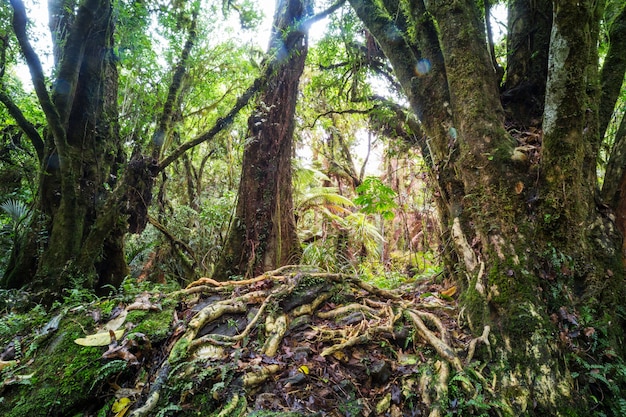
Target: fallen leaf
[
  {"x": 5, "y": 364},
  {"x": 99, "y": 339},
  {"x": 117, "y": 322},
  {"x": 589, "y": 331},
  {"x": 121, "y": 406},
  {"x": 143, "y": 303},
  {"x": 449, "y": 292}
]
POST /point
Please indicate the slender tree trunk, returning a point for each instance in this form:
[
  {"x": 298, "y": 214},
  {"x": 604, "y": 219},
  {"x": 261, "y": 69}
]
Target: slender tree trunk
[{"x": 263, "y": 234}]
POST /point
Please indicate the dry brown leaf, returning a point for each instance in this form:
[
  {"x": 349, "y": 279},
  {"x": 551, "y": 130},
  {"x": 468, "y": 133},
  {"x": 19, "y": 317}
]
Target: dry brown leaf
[{"x": 449, "y": 292}]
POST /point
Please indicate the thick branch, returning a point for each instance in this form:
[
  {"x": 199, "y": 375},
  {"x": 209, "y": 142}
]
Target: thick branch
[
  {"x": 24, "y": 124},
  {"x": 306, "y": 24},
  {"x": 60, "y": 20},
  {"x": 173, "y": 94},
  {"x": 613, "y": 178},
  {"x": 613, "y": 69},
  {"x": 36, "y": 71},
  {"x": 492, "y": 49},
  {"x": 221, "y": 123},
  {"x": 73, "y": 53}
]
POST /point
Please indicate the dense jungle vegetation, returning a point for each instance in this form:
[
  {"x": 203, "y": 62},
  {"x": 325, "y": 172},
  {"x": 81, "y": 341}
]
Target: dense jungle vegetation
[{"x": 307, "y": 208}]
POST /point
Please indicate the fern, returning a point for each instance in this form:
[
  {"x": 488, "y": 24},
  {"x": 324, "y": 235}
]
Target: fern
[
  {"x": 324, "y": 196},
  {"x": 170, "y": 408},
  {"x": 620, "y": 407},
  {"x": 109, "y": 369}
]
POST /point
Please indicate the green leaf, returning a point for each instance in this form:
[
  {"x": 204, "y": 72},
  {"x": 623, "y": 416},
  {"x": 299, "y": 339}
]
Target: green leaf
[{"x": 376, "y": 198}]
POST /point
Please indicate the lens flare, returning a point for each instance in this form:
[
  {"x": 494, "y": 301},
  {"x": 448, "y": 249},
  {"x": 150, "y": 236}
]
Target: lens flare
[{"x": 423, "y": 67}]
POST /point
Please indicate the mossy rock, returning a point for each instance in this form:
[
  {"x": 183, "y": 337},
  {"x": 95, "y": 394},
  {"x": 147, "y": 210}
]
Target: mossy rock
[
  {"x": 55, "y": 376},
  {"x": 59, "y": 379}
]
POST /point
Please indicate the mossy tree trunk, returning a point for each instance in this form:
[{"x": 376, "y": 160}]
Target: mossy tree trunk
[
  {"x": 263, "y": 233},
  {"x": 611, "y": 76},
  {"x": 528, "y": 44},
  {"x": 531, "y": 242},
  {"x": 78, "y": 235}
]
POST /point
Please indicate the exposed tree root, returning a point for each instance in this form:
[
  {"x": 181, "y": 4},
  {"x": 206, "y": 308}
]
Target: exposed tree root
[
  {"x": 295, "y": 329},
  {"x": 442, "y": 348}
]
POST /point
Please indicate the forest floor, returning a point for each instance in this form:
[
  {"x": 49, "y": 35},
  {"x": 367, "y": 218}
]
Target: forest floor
[{"x": 294, "y": 341}]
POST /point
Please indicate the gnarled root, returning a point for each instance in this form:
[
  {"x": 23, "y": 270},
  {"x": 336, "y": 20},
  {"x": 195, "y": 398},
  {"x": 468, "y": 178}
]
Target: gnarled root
[{"x": 290, "y": 334}]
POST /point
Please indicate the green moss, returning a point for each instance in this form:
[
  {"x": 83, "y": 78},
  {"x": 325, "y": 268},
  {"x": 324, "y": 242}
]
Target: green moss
[
  {"x": 62, "y": 374},
  {"x": 476, "y": 307},
  {"x": 179, "y": 351},
  {"x": 154, "y": 324},
  {"x": 308, "y": 281},
  {"x": 56, "y": 376}
]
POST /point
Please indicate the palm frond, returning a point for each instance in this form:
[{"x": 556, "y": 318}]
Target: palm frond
[
  {"x": 16, "y": 209},
  {"x": 323, "y": 196},
  {"x": 364, "y": 231},
  {"x": 304, "y": 177}
]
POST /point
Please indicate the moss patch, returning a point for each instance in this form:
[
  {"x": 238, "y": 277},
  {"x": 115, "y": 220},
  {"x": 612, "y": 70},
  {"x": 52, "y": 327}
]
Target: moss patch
[{"x": 61, "y": 370}]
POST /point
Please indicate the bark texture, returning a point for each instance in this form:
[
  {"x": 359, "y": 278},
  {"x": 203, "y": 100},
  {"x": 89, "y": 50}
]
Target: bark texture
[
  {"x": 263, "y": 233},
  {"x": 75, "y": 239},
  {"x": 522, "y": 218},
  {"x": 528, "y": 44},
  {"x": 611, "y": 78}
]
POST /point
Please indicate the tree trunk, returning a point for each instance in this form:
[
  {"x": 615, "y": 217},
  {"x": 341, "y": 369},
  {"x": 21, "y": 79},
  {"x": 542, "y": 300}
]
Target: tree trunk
[
  {"x": 534, "y": 250},
  {"x": 528, "y": 43},
  {"x": 82, "y": 155},
  {"x": 263, "y": 233}
]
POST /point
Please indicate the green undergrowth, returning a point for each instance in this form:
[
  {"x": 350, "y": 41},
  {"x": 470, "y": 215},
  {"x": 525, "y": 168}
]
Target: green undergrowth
[{"x": 47, "y": 374}]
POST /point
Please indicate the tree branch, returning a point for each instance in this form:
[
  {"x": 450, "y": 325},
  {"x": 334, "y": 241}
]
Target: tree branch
[
  {"x": 613, "y": 176},
  {"x": 306, "y": 25},
  {"x": 221, "y": 123},
  {"x": 492, "y": 49},
  {"x": 342, "y": 112},
  {"x": 36, "y": 71},
  {"x": 73, "y": 54},
  {"x": 173, "y": 94},
  {"x": 24, "y": 124},
  {"x": 172, "y": 238},
  {"x": 613, "y": 69}
]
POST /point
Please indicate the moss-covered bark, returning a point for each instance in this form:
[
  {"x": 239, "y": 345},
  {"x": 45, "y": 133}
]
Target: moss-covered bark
[
  {"x": 529, "y": 238},
  {"x": 613, "y": 68},
  {"x": 528, "y": 44},
  {"x": 611, "y": 78}
]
